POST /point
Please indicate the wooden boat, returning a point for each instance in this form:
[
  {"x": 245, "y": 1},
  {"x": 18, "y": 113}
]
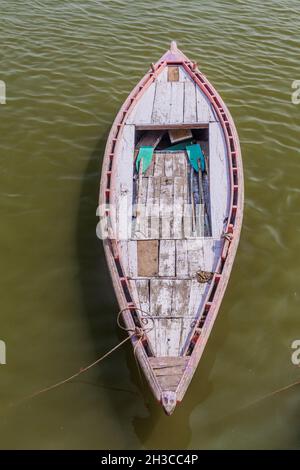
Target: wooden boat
[{"x": 171, "y": 205}]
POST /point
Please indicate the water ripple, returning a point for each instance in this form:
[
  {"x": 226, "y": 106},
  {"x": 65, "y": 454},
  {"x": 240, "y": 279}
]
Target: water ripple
[{"x": 68, "y": 67}]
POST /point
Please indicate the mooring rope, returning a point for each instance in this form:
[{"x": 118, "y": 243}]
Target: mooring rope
[
  {"x": 271, "y": 394},
  {"x": 139, "y": 332}
]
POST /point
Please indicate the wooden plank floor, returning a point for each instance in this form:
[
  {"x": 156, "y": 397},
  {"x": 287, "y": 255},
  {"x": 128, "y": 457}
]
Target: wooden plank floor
[
  {"x": 168, "y": 370},
  {"x": 166, "y": 262},
  {"x": 170, "y": 308},
  {"x": 170, "y": 239},
  {"x": 172, "y": 102},
  {"x": 166, "y": 196},
  {"x": 171, "y": 295}
]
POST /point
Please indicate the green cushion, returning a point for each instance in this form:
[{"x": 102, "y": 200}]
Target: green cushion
[{"x": 180, "y": 146}]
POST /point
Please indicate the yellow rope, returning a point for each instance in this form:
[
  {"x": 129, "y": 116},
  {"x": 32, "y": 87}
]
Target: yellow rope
[
  {"x": 271, "y": 394},
  {"x": 81, "y": 371},
  {"x": 137, "y": 331}
]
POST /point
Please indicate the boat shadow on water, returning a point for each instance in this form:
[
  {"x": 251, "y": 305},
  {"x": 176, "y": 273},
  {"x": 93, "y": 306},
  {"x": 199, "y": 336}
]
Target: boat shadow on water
[
  {"x": 99, "y": 305},
  {"x": 118, "y": 379}
]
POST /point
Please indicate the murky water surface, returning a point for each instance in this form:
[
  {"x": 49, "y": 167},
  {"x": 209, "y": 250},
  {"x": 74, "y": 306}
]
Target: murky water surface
[{"x": 68, "y": 66}]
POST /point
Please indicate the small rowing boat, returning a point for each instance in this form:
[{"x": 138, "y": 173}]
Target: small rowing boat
[{"x": 171, "y": 206}]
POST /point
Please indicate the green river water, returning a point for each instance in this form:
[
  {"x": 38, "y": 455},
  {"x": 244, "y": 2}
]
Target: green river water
[{"x": 68, "y": 66}]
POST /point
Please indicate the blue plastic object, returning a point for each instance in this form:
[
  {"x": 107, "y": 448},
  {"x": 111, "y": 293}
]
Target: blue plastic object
[
  {"x": 180, "y": 146},
  {"x": 145, "y": 154},
  {"x": 196, "y": 157}
]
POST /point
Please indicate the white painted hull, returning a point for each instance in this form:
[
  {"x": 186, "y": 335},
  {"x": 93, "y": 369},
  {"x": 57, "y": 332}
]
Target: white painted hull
[{"x": 169, "y": 226}]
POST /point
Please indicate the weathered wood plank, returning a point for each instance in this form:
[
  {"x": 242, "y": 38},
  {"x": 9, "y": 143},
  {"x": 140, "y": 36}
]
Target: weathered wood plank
[
  {"x": 162, "y": 100},
  {"x": 180, "y": 300},
  {"x": 187, "y": 209},
  {"x": 166, "y": 207},
  {"x": 182, "y": 267},
  {"x": 147, "y": 257},
  {"x": 169, "y": 165},
  {"x": 161, "y": 297},
  {"x": 196, "y": 293},
  {"x": 150, "y": 198},
  {"x": 169, "y": 370},
  {"x": 134, "y": 293},
  {"x": 153, "y": 206},
  {"x": 132, "y": 257},
  {"x": 170, "y": 301},
  {"x": 180, "y": 303},
  {"x": 178, "y": 201},
  {"x": 159, "y": 164},
  {"x": 181, "y": 308},
  {"x": 183, "y": 75},
  {"x": 218, "y": 179},
  {"x": 214, "y": 116},
  {"x": 167, "y": 253},
  {"x": 176, "y": 103},
  {"x": 169, "y": 367},
  {"x": 124, "y": 184},
  {"x": 142, "y": 287},
  {"x": 163, "y": 76},
  {"x": 173, "y": 365},
  {"x": 169, "y": 383},
  {"x": 204, "y": 112},
  {"x": 179, "y": 164},
  {"x": 190, "y": 113},
  {"x": 150, "y": 170},
  {"x": 212, "y": 252},
  {"x": 170, "y": 278},
  {"x": 123, "y": 249},
  {"x": 177, "y": 135},
  {"x": 217, "y": 250},
  {"x": 187, "y": 220},
  {"x": 141, "y": 230},
  {"x": 142, "y": 112},
  {"x": 143, "y": 227},
  {"x": 143, "y": 292},
  {"x": 167, "y": 126},
  {"x": 138, "y": 179},
  {"x": 209, "y": 255},
  {"x": 196, "y": 299},
  {"x": 173, "y": 333},
  {"x": 195, "y": 255},
  {"x": 174, "y": 298},
  {"x": 203, "y": 254},
  {"x": 161, "y": 292}
]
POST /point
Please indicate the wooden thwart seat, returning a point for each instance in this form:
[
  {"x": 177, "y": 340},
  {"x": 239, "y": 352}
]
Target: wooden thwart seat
[{"x": 168, "y": 371}]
